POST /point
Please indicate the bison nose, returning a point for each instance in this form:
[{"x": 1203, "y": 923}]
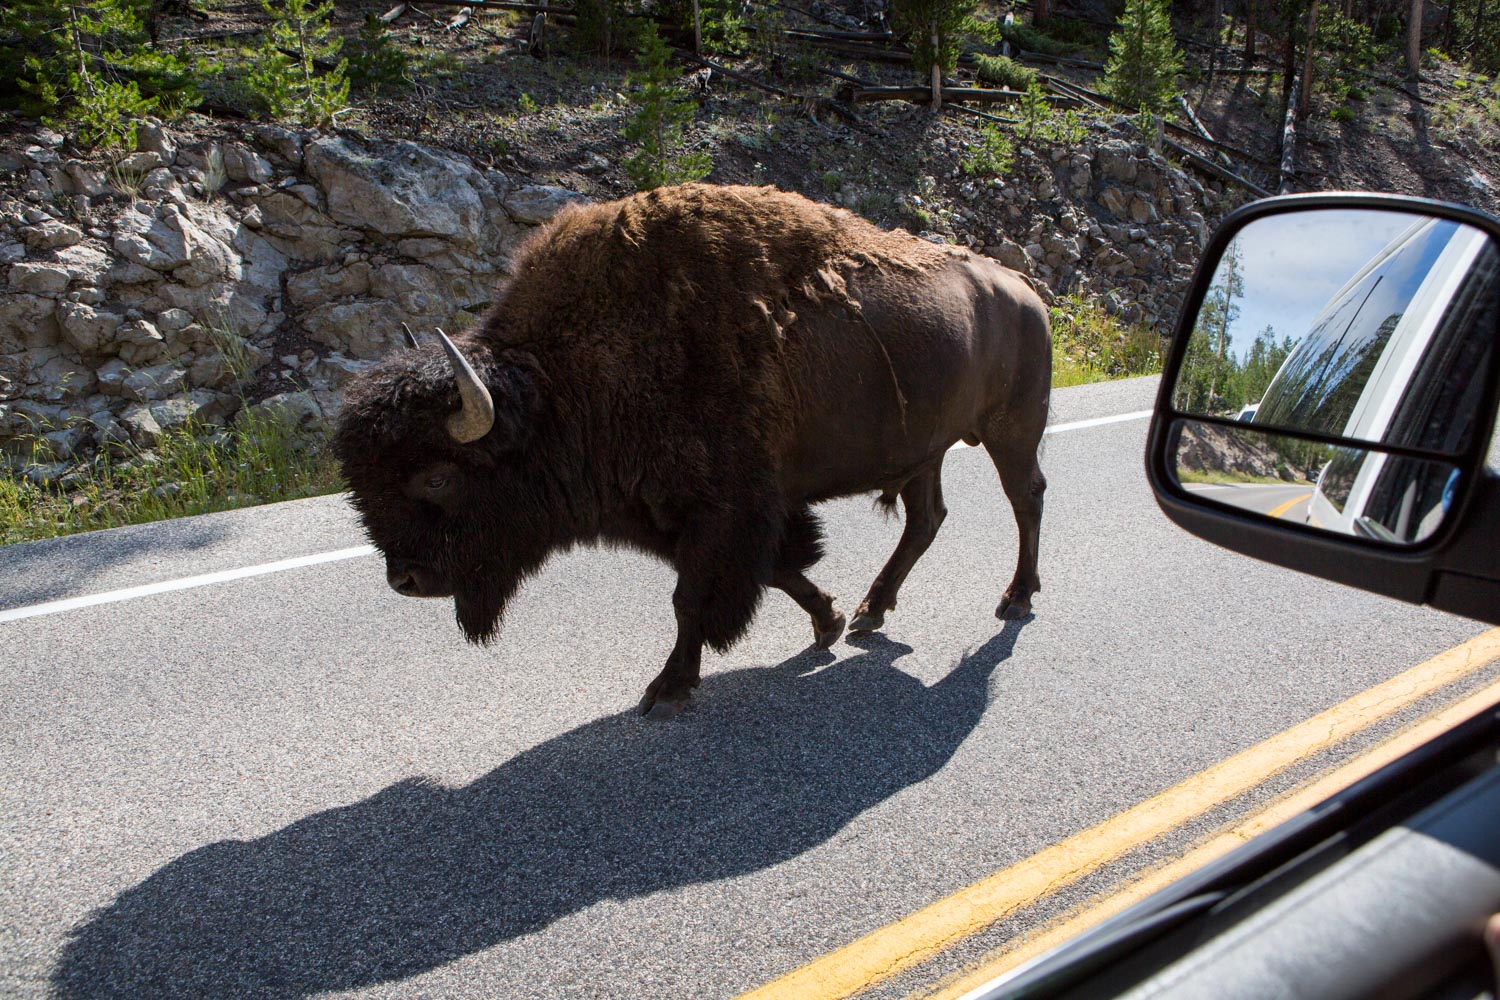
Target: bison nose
[
  {"x": 403, "y": 577},
  {"x": 403, "y": 581}
]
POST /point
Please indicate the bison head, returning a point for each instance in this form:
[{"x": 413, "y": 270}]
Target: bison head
[{"x": 434, "y": 446}]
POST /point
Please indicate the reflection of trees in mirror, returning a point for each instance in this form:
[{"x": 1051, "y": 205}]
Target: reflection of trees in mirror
[
  {"x": 1209, "y": 453},
  {"x": 1319, "y": 391},
  {"x": 1209, "y": 366},
  {"x": 1211, "y": 382}
]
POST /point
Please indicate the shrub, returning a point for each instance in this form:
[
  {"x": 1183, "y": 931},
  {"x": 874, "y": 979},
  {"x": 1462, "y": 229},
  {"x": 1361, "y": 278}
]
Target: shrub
[
  {"x": 376, "y": 61},
  {"x": 1004, "y": 71},
  {"x": 194, "y": 469},
  {"x": 993, "y": 155},
  {"x": 1091, "y": 345}
]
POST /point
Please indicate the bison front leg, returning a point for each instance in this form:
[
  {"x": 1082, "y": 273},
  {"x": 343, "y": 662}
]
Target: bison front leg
[
  {"x": 722, "y": 569},
  {"x": 670, "y": 692}
]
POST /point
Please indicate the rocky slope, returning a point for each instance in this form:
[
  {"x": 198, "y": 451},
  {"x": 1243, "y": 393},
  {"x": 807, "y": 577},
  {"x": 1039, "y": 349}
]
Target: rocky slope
[{"x": 230, "y": 267}]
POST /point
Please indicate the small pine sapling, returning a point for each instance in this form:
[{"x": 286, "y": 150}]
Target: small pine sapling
[{"x": 663, "y": 112}]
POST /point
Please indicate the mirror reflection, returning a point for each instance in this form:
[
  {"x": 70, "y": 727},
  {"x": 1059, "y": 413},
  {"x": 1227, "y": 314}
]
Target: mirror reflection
[
  {"x": 1349, "y": 491},
  {"x": 1364, "y": 324}
]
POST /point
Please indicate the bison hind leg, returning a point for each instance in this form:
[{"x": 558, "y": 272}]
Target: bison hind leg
[
  {"x": 922, "y": 496},
  {"x": 1014, "y": 452},
  {"x": 801, "y": 547}
]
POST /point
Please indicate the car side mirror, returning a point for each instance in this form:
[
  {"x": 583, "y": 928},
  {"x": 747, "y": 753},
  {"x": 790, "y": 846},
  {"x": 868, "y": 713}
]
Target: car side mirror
[{"x": 1330, "y": 395}]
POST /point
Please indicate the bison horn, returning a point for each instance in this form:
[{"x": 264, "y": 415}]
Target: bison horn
[
  {"x": 411, "y": 338},
  {"x": 478, "y": 414}
]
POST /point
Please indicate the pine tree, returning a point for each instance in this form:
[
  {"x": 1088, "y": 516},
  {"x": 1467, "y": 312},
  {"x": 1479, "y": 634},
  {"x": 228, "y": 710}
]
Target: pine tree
[
  {"x": 1036, "y": 114},
  {"x": 85, "y": 63},
  {"x": 662, "y": 115},
  {"x": 1144, "y": 61},
  {"x": 286, "y": 77}
]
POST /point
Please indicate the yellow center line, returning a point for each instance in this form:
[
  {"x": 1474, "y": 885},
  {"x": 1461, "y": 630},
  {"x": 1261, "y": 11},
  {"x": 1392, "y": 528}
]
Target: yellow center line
[
  {"x": 1014, "y": 953},
  {"x": 938, "y": 926},
  {"x": 1278, "y": 511}
]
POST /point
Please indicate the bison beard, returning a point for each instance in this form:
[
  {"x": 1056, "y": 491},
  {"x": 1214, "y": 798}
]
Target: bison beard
[
  {"x": 479, "y": 607},
  {"x": 687, "y": 372}
]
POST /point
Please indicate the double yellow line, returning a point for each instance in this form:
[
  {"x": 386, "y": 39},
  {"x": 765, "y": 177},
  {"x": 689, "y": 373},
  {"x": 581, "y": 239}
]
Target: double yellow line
[{"x": 935, "y": 928}]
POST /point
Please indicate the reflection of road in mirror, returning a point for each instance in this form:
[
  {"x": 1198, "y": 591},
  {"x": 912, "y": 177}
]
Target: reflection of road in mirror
[
  {"x": 1348, "y": 491},
  {"x": 773, "y": 763}
]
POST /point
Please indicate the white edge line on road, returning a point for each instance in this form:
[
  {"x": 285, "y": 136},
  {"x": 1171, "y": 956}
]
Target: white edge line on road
[
  {"x": 1078, "y": 425},
  {"x": 183, "y": 583},
  {"x": 206, "y": 579}
]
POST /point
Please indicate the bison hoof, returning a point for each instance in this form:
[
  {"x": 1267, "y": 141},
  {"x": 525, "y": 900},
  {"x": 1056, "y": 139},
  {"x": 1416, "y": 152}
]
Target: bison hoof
[
  {"x": 1013, "y": 608},
  {"x": 825, "y": 637},
  {"x": 659, "y": 709},
  {"x": 867, "y": 621}
]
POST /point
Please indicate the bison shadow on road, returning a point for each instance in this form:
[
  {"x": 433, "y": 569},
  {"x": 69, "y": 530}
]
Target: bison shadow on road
[{"x": 418, "y": 875}]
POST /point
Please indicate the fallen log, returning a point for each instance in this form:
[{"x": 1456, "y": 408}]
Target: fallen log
[
  {"x": 693, "y": 57},
  {"x": 394, "y": 14},
  {"x": 528, "y": 8},
  {"x": 845, "y": 36},
  {"x": 1203, "y": 163},
  {"x": 1103, "y": 103},
  {"x": 923, "y": 95}
]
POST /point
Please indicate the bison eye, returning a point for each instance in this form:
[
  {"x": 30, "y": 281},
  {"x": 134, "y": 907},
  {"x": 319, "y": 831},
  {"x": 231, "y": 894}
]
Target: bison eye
[{"x": 433, "y": 482}]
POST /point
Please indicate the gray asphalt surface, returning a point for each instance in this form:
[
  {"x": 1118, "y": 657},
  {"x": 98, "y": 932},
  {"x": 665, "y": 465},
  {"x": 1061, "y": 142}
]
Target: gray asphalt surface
[{"x": 303, "y": 783}]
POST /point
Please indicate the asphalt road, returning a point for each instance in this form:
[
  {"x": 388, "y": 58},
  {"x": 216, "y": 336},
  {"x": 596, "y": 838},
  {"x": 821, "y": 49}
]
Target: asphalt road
[{"x": 299, "y": 782}]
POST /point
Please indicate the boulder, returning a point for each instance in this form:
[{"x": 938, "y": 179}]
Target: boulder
[
  {"x": 153, "y": 383},
  {"x": 536, "y": 204},
  {"x": 51, "y": 235},
  {"x": 38, "y": 278},
  {"x": 402, "y": 190},
  {"x": 86, "y": 329}
]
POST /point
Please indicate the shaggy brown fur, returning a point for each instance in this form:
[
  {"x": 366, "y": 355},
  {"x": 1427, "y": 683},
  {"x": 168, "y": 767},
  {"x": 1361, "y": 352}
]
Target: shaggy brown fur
[{"x": 686, "y": 371}]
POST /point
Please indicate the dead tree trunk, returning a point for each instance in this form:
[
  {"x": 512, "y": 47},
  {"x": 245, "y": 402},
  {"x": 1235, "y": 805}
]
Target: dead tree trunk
[
  {"x": 1215, "y": 29},
  {"x": 1414, "y": 41},
  {"x": 937, "y": 71},
  {"x": 1289, "y": 141},
  {"x": 1309, "y": 48}
]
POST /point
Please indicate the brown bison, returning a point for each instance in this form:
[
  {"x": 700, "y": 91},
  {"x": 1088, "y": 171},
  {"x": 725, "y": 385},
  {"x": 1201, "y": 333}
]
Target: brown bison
[{"x": 687, "y": 372}]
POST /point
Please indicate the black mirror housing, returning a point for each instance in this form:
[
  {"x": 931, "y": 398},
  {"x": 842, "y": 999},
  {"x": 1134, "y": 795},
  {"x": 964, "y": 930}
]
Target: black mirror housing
[{"x": 1453, "y": 562}]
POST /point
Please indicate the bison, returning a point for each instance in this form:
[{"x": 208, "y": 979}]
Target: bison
[{"x": 688, "y": 372}]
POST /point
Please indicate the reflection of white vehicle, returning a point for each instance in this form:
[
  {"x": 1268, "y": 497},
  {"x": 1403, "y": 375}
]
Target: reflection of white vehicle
[
  {"x": 1349, "y": 378},
  {"x": 1247, "y": 412}
]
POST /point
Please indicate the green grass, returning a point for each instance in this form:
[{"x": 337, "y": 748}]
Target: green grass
[
  {"x": 1232, "y": 478},
  {"x": 190, "y": 471},
  {"x": 1090, "y": 345}
]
